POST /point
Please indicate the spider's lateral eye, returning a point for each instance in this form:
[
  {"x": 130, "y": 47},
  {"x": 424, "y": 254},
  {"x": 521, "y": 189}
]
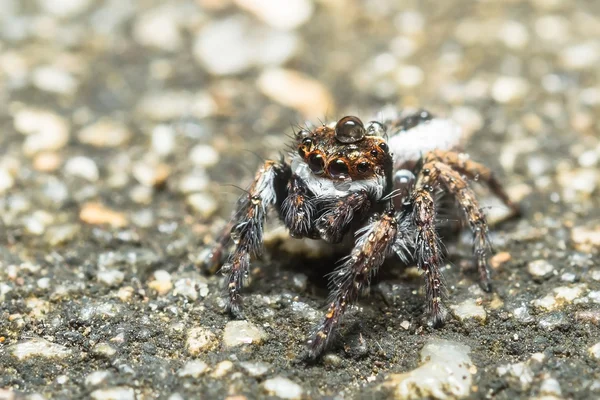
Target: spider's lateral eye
[
  {"x": 316, "y": 163},
  {"x": 375, "y": 128},
  {"x": 374, "y": 153},
  {"x": 362, "y": 167},
  {"x": 383, "y": 146},
  {"x": 349, "y": 130},
  {"x": 302, "y": 133},
  {"x": 337, "y": 168}
]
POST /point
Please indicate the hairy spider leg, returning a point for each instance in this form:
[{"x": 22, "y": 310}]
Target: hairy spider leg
[
  {"x": 247, "y": 230},
  {"x": 476, "y": 171},
  {"x": 298, "y": 209},
  {"x": 467, "y": 199},
  {"x": 428, "y": 250},
  {"x": 216, "y": 255},
  {"x": 375, "y": 242}
]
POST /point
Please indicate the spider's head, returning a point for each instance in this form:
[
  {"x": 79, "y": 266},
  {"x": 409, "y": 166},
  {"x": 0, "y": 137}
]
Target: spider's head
[{"x": 348, "y": 151}]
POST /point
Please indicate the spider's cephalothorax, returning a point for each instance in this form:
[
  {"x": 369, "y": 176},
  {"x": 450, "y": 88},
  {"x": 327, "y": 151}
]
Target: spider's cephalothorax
[{"x": 377, "y": 182}]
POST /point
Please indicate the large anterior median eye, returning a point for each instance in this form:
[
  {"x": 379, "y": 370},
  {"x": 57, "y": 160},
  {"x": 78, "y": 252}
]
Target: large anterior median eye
[
  {"x": 338, "y": 169},
  {"x": 349, "y": 130},
  {"x": 316, "y": 163}
]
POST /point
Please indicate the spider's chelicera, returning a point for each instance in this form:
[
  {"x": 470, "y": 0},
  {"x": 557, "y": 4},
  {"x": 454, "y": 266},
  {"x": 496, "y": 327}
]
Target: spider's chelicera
[{"x": 376, "y": 181}]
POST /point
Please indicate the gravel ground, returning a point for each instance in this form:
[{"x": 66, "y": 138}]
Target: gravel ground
[{"x": 122, "y": 122}]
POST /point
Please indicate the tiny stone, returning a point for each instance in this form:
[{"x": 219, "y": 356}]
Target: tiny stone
[
  {"x": 96, "y": 378},
  {"x": 193, "y": 368},
  {"x": 540, "y": 268},
  {"x": 104, "y": 350},
  {"x": 581, "y": 56},
  {"x": 552, "y": 321},
  {"x": 238, "y": 333},
  {"x": 204, "y": 155},
  {"x": 162, "y": 282},
  {"x": 586, "y": 239},
  {"x": 98, "y": 214},
  {"x": 296, "y": 90},
  {"x": 288, "y": 15},
  {"x": 470, "y": 309},
  {"x": 54, "y": 80},
  {"x": 283, "y": 388},
  {"x": 196, "y": 181},
  {"x": 46, "y": 131},
  {"x": 203, "y": 203},
  {"x": 200, "y": 340},
  {"x": 111, "y": 277},
  {"x": 550, "y": 386},
  {"x": 6, "y": 180},
  {"x": 522, "y": 314},
  {"x": 38, "y": 347},
  {"x": 332, "y": 359},
  {"x": 64, "y": 8},
  {"x": 82, "y": 167},
  {"x": 158, "y": 28},
  {"x": 61, "y": 234},
  {"x": 595, "y": 351},
  {"x": 255, "y": 369},
  {"x": 508, "y": 89},
  {"x": 500, "y": 258},
  {"x": 104, "y": 133},
  {"x": 114, "y": 393},
  {"x": 444, "y": 373},
  {"x": 222, "y": 369},
  {"x": 163, "y": 140}
]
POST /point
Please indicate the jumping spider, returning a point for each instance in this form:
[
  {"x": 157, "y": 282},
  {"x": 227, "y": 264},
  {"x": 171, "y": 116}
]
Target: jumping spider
[{"x": 379, "y": 183}]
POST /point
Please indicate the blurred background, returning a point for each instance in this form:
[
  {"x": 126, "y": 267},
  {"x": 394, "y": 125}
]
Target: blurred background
[{"x": 121, "y": 121}]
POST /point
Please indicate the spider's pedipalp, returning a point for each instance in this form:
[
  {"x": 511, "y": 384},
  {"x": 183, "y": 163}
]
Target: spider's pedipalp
[{"x": 335, "y": 221}]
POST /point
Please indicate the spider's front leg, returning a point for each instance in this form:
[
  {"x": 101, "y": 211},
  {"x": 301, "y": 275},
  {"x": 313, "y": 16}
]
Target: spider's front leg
[
  {"x": 376, "y": 241},
  {"x": 247, "y": 227},
  {"x": 335, "y": 222}
]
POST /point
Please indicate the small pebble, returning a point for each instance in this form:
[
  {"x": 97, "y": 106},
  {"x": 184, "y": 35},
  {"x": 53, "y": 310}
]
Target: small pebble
[
  {"x": 509, "y": 89},
  {"x": 239, "y": 333},
  {"x": 581, "y": 56},
  {"x": 204, "y": 155},
  {"x": 54, "y": 80},
  {"x": 594, "y": 351},
  {"x": 64, "y": 8},
  {"x": 111, "y": 277},
  {"x": 98, "y": 214},
  {"x": 46, "y": 131},
  {"x": 97, "y": 377},
  {"x": 255, "y": 369},
  {"x": 38, "y": 347},
  {"x": 540, "y": 268},
  {"x": 200, "y": 340},
  {"x": 163, "y": 140},
  {"x": 298, "y": 91},
  {"x": 222, "y": 369},
  {"x": 469, "y": 309},
  {"x": 104, "y": 349},
  {"x": 288, "y": 15},
  {"x": 82, "y": 167},
  {"x": 203, "y": 203},
  {"x": 158, "y": 28},
  {"x": 114, "y": 393},
  {"x": 193, "y": 368},
  {"x": 282, "y": 388},
  {"x": 104, "y": 133},
  {"x": 162, "y": 282}
]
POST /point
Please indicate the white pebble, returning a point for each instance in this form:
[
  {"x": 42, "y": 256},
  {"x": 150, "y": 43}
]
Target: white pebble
[
  {"x": 283, "y": 388},
  {"x": 540, "y": 268},
  {"x": 204, "y": 155},
  {"x": 82, "y": 167},
  {"x": 193, "y": 368},
  {"x": 114, "y": 393},
  {"x": 38, "y": 347},
  {"x": 409, "y": 76},
  {"x": 508, "y": 89},
  {"x": 445, "y": 373},
  {"x": 203, "y": 204},
  {"x": 239, "y": 333},
  {"x": 46, "y": 131},
  {"x": 581, "y": 56},
  {"x": 199, "y": 340},
  {"x": 469, "y": 309},
  {"x": 104, "y": 133},
  {"x": 6, "y": 180},
  {"x": 64, "y": 8},
  {"x": 111, "y": 277},
  {"x": 158, "y": 28},
  {"x": 594, "y": 351},
  {"x": 282, "y": 15},
  {"x": 194, "y": 182},
  {"x": 235, "y": 44},
  {"x": 97, "y": 377},
  {"x": 55, "y": 80},
  {"x": 163, "y": 140}
]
